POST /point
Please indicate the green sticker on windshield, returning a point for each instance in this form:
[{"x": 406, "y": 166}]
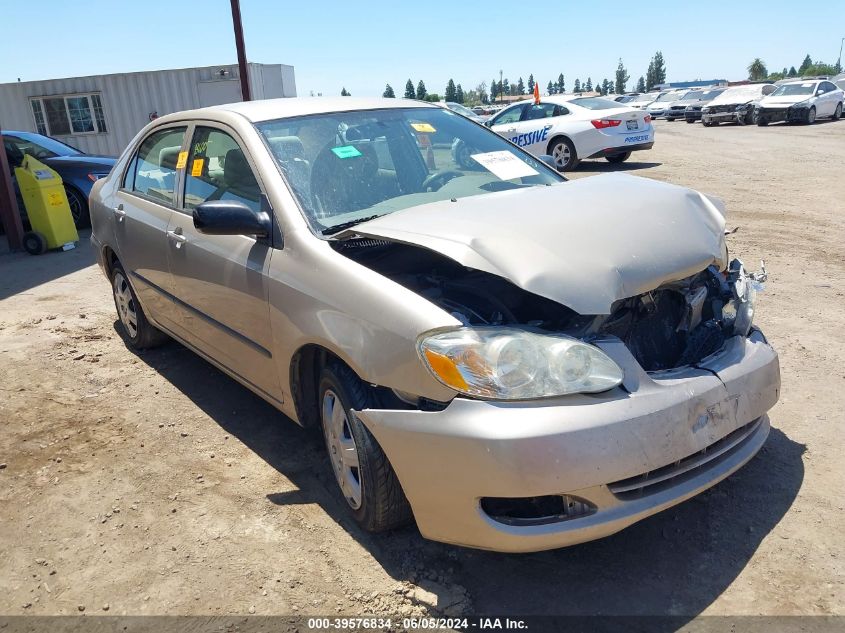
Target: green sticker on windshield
[{"x": 346, "y": 151}]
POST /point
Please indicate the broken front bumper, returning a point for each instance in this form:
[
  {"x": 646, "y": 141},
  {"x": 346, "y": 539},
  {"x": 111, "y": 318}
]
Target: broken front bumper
[
  {"x": 622, "y": 455},
  {"x": 789, "y": 113}
]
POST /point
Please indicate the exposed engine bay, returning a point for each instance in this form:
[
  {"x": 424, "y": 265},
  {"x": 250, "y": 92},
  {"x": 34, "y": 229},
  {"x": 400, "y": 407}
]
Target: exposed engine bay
[{"x": 675, "y": 325}]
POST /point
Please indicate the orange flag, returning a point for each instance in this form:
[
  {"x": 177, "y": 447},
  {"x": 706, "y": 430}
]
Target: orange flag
[{"x": 536, "y": 93}]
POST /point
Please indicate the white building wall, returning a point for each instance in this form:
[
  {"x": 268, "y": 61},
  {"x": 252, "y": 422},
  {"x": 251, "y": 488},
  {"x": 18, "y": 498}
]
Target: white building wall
[{"x": 130, "y": 98}]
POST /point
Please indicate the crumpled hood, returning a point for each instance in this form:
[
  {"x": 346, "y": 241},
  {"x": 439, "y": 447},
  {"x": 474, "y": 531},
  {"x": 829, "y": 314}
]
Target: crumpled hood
[{"x": 584, "y": 243}]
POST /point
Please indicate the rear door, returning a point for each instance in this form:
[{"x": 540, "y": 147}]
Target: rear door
[
  {"x": 142, "y": 207},
  {"x": 532, "y": 132},
  {"x": 220, "y": 281}
]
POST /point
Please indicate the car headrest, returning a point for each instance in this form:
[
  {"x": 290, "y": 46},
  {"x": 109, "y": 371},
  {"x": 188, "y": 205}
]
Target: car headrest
[
  {"x": 168, "y": 157},
  {"x": 287, "y": 148},
  {"x": 236, "y": 170}
]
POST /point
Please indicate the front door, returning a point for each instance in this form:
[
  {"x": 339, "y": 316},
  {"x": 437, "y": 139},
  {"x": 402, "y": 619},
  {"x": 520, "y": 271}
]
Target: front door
[
  {"x": 142, "y": 207},
  {"x": 220, "y": 281}
]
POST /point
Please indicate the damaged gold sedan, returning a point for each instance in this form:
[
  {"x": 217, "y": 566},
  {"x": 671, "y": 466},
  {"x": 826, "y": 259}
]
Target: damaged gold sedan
[{"x": 514, "y": 361}]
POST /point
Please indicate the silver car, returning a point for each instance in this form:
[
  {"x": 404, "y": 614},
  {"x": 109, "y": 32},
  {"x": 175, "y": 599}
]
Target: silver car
[{"x": 514, "y": 361}]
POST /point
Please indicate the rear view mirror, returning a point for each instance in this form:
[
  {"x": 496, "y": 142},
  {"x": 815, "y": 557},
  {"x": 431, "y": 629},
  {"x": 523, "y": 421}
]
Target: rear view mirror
[{"x": 226, "y": 217}]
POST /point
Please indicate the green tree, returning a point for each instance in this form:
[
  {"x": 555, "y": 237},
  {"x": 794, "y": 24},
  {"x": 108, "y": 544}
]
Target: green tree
[
  {"x": 820, "y": 68},
  {"x": 531, "y": 84},
  {"x": 649, "y": 76},
  {"x": 577, "y": 87},
  {"x": 421, "y": 91},
  {"x": 659, "y": 68},
  {"x": 551, "y": 88},
  {"x": 604, "y": 86},
  {"x": 561, "y": 87},
  {"x": 520, "y": 87},
  {"x": 494, "y": 90},
  {"x": 622, "y": 77},
  {"x": 409, "y": 90},
  {"x": 641, "y": 84},
  {"x": 757, "y": 70},
  {"x": 802, "y": 69},
  {"x": 433, "y": 97},
  {"x": 792, "y": 72},
  {"x": 610, "y": 88},
  {"x": 459, "y": 94},
  {"x": 451, "y": 93},
  {"x": 481, "y": 92},
  {"x": 388, "y": 92},
  {"x": 505, "y": 87},
  {"x": 344, "y": 92},
  {"x": 588, "y": 87}
]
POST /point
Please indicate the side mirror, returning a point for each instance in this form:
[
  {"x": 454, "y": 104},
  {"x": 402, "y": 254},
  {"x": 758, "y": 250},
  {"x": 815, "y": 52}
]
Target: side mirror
[
  {"x": 549, "y": 160},
  {"x": 488, "y": 123},
  {"x": 820, "y": 91},
  {"x": 227, "y": 217}
]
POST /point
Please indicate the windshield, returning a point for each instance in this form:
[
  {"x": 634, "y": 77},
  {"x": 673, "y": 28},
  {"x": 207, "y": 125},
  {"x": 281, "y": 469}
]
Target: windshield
[
  {"x": 668, "y": 96},
  {"x": 789, "y": 90},
  {"x": 347, "y": 167},
  {"x": 39, "y": 146},
  {"x": 695, "y": 95},
  {"x": 644, "y": 97},
  {"x": 711, "y": 94},
  {"x": 595, "y": 103},
  {"x": 457, "y": 107}
]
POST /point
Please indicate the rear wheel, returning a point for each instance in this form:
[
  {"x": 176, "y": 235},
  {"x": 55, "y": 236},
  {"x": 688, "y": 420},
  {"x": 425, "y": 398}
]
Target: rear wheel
[
  {"x": 139, "y": 332},
  {"x": 365, "y": 477},
  {"x": 78, "y": 208},
  {"x": 618, "y": 158},
  {"x": 564, "y": 154}
]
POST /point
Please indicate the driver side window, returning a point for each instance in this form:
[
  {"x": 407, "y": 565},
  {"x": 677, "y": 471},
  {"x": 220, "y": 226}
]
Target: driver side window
[{"x": 511, "y": 115}]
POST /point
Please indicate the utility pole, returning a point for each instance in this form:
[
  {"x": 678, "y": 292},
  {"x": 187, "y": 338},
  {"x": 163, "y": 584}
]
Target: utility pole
[
  {"x": 239, "y": 44},
  {"x": 839, "y": 59},
  {"x": 10, "y": 215}
]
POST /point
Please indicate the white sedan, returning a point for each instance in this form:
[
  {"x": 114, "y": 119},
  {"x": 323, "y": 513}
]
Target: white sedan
[
  {"x": 801, "y": 101},
  {"x": 571, "y": 128}
]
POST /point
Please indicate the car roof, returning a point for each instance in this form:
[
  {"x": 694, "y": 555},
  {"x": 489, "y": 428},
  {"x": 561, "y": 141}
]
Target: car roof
[{"x": 270, "y": 109}]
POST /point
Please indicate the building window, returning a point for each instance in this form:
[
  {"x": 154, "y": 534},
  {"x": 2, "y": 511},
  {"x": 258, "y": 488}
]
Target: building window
[{"x": 69, "y": 115}]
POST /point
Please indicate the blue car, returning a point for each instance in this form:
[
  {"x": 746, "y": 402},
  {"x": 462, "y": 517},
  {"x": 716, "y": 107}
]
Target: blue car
[{"x": 78, "y": 170}]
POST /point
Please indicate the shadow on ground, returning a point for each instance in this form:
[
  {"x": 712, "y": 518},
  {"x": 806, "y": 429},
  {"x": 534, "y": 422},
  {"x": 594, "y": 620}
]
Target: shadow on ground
[
  {"x": 20, "y": 272},
  {"x": 602, "y": 166},
  {"x": 675, "y": 563}
]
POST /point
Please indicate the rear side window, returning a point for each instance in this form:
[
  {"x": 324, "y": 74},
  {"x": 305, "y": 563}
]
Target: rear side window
[
  {"x": 511, "y": 115},
  {"x": 217, "y": 169},
  {"x": 152, "y": 171},
  {"x": 543, "y": 111}
]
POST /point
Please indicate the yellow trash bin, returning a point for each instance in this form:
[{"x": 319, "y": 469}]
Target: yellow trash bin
[{"x": 47, "y": 207}]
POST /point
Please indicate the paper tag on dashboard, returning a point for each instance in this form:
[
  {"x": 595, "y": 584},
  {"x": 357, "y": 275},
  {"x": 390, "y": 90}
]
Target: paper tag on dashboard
[{"x": 504, "y": 165}]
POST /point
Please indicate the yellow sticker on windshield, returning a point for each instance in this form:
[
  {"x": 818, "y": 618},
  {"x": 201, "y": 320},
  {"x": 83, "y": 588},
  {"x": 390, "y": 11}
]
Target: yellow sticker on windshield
[
  {"x": 182, "y": 160},
  {"x": 424, "y": 127},
  {"x": 196, "y": 167}
]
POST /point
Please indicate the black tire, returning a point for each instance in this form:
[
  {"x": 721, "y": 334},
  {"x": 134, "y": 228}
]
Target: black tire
[
  {"x": 78, "y": 208},
  {"x": 34, "y": 243},
  {"x": 761, "y": 122},
  {"x": 837, "y": 114},
  {"x": 690, "y": 120},
  {"x": 709, "y": 123},
  {"x": 811, "y": 116},
  {"x": 145, "y": 334},
  {"x": 558, "y": 144},
  {"x": 383, "y": 505},
  {"x": 618, "y": 158}
]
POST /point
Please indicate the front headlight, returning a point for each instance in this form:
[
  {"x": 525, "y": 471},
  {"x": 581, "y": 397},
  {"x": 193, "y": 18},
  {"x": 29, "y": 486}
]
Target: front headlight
[{"x": 502, "y": 363}]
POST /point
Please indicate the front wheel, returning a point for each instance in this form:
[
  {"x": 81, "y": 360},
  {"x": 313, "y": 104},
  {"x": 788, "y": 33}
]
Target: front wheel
[
  {"x": 618, "y": 158},
  {"x": 564, "y": 154},
  {"x": 78, "y": 208},
  {"x": 811, "y": 116},
  {"x": 837, "y": 114},
  {"x": 139, "y": 332},
  {"x": 365, "y": 477}
]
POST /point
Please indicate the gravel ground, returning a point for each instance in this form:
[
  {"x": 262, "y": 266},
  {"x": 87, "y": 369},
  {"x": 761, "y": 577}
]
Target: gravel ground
[{"x": 154, "y": 484}]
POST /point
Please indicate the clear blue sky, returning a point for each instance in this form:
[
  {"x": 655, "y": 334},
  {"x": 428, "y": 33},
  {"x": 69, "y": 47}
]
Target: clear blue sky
[{"x": 363, "y": 45}]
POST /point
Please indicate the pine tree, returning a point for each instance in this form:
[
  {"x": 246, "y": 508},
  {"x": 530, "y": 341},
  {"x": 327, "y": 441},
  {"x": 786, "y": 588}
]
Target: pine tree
[
  {"x": 505, "y": 87},
  {"x": 792, "y": 72},
  {"x": 421, "y": 91},
  {"x": 345, "y": 93},
  {"x": 551, "y": 89},
  {"x": 561, "y": 88},
  {"x": 409, "y": 90},
  {"x": 494, "y": 90},
  {"x": 388, "y": 92},
  {"x": 641, "y": 84},
  {"x": 604, "y": 86},
  {"x": 588, "y": 87},
  {"x": 610, "y": 88},
  {"x": 805, "y": 65},
  {"x": 577, "y": 87},
  {"x": 622, "y": 77},
  {"x": 520, "y": 87},
  {"x": 531, "y": 84},
  {"x": 459, "y": 94},
  {"x": 451, "y": 94},
  {"x": 649, "y": 76},
  {"x": 659, "y": 68}
]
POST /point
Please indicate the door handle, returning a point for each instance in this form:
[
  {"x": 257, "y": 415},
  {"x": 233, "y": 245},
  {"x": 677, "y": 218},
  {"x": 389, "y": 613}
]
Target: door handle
[
  {"x": 177, "y": 237},
  {"x": 119, "y": 212}
]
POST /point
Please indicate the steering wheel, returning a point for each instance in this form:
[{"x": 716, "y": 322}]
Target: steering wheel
[{"x": 439, "y": 178}]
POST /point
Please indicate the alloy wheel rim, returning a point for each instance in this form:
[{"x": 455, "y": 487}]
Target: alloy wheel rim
[
  {"x": 75, "y": 206},
  {"x": 561, "y": 154},
  {"x": 812, "y": 115},
  {"x": 125, "y": 305},
  {"x": 342, "y": 449}
]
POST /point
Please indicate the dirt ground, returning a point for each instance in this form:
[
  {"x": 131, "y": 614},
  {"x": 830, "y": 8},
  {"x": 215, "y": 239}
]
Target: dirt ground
[{"x": 154, "y": 484}]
